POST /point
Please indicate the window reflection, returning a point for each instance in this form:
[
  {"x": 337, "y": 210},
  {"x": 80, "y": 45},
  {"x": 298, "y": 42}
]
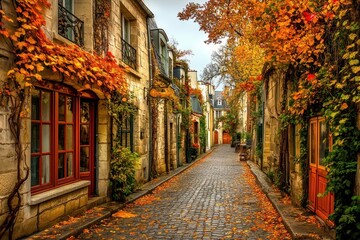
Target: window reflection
[
  {"x": 69, "y": 109},
  {"x": 85, "y": 112},
  {"x": 35, "y": 137},
  {"x": 34, "y": 171},
  {"x": 61, "y": 168},
  {"x": 45, "y": 138},
  {"x": 45, "y": 169},
  {"x": 45, "y": 111},
  {"x": 84, "y": 159},
  {"x": 69, "y": 137},
  {"x": 61, "y": 138},
  {"x": 69, "y": 157},
  {"x": 62, "y": 102},
  {"x": 35, "y": 105},
  {"x": 84, "y": 134}
]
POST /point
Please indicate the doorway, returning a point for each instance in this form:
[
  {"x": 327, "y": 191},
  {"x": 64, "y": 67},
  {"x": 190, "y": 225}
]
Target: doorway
[
  {"x": 87, "y": 143},
  {"x": 319, "y": 147}
]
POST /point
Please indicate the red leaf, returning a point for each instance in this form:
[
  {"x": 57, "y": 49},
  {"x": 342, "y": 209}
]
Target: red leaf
[
  {"x": 311, "y": 77},
  {"x": 309, "y": 16}
]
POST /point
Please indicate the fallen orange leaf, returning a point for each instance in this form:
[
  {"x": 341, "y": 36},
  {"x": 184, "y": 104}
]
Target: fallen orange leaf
[{"x": 124, "y": 214}]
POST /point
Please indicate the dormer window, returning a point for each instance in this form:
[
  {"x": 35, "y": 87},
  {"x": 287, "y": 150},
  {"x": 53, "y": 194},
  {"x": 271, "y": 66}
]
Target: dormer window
[{"x": 219, "y": 102}]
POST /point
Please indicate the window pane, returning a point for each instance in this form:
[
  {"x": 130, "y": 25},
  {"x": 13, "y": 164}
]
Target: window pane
[
  {"x": 69, "y": 157},
  {"x": 69, "y": 137},
  {"x": 34, "y": 171},
  {"x": 45, "y": 138},
  {"x": 84, "y": 159},
  {"x": 45, "y": 114},
  {"x": 324, "y": 143},
  {"x": 312, "y": 142},
  {"x": 45, "y": 169},
  {"x": 62, "y": 105},
  {"x": 84, "y": 135},
  {"x": 69, "y": 109},
  {"x": 61, "y": 167},
  {"x": 61, "y": 143},
  {"x": 35, "y": 105},
  {"x": 85, "y": 112},
  {"x": 35, "y": 137}
]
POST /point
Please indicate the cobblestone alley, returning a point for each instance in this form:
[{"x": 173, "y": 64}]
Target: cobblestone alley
[{"x": 216, "y": 198}]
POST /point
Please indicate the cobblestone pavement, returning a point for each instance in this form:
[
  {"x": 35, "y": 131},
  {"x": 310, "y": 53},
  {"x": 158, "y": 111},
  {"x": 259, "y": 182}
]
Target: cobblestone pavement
[{"x": 210, "y": 200}]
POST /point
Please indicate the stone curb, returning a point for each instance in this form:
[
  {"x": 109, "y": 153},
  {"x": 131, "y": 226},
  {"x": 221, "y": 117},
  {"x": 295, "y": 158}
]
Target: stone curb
[
  {"x": 105, "y": 210},
  {"x": 297, "y": 229}
]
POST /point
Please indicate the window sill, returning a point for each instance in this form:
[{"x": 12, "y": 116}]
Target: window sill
[
  {"x": 130, "y": 70},
  {"x": 54, "y": 193}
]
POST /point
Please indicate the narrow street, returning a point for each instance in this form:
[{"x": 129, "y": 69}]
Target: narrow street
[{"x": 216, "y": 198}]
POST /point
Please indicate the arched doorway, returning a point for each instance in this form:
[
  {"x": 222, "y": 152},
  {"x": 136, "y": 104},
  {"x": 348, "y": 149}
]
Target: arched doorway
[{"x": 226, "y": 138}]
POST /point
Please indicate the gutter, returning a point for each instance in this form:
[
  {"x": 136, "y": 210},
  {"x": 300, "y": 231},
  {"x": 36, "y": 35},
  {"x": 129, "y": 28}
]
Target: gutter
[
  {"x": 145, "y": 8},
  {"x": 148, "y": 99}
]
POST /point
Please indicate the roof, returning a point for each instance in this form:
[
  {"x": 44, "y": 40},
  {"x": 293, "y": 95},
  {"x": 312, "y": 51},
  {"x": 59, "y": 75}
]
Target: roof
[
  {"x": 195, "y": 104},
  {"x": 145, "y": 8},
  {"x": 219, "y": 96}
]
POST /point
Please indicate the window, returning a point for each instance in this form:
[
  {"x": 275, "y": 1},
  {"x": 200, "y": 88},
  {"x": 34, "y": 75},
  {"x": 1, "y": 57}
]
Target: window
[
  {"x": 54, "y": 139},
  {"x": 125, "y": 29},
  {"x": 126, "y": 133},
  {"x": 218, "y": 114},
  {"x": 128, "y": 52},
  {"x": 219, "y": 102},
  {"x": 70, "y": 26}
]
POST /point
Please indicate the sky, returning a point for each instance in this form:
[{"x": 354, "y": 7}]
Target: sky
[{"x": 185, "y": 33}]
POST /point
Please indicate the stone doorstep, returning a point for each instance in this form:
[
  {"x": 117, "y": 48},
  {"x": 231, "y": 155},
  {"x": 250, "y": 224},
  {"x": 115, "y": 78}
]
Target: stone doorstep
[
  {"x": 298, "y": 229},
  {"x": 96, "y": 214}
]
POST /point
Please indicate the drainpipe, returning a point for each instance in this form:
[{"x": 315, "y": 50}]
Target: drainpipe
[
  {"x": 177, "y": 140},
  {"x": 166, "y": 137},
  {"x": 149, "y": 102}
]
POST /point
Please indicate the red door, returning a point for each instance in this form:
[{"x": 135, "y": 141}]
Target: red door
[
  {"x": 226, "y": 138},
  {"x": 87, "y": 142},
  {"x": 319, "y": 147},
  {"x": 216, "y": 137}
]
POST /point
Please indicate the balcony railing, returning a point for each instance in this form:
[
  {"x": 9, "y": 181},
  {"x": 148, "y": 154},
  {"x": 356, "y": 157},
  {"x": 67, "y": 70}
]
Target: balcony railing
[
  {"x": 128, "y": 54},
  {"x": 70, "y": 27}
]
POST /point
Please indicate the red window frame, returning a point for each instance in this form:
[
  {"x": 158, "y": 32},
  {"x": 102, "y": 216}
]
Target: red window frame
[{"x": 57, "y": 90}]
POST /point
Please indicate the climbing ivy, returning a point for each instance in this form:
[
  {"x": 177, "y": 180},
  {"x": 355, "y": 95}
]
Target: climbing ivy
[{"x": 203, "y": 133}]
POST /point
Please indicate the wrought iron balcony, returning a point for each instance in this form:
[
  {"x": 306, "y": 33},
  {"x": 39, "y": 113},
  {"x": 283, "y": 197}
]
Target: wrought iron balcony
[
  {"x": 70, "y": 27},
  {"x": 128, "y": 54}
]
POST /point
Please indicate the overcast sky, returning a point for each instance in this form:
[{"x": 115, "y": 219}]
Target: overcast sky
[{"x": 186, "y": 33}]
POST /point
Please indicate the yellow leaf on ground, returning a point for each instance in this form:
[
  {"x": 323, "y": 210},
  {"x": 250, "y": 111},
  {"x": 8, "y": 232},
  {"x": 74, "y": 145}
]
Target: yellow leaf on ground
[{"x": 124, "y": 214}]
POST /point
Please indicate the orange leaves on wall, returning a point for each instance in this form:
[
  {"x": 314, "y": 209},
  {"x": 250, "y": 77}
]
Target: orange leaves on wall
[
  {"x": 197, "y": 93},
  {"x": 36, "y": 53}
]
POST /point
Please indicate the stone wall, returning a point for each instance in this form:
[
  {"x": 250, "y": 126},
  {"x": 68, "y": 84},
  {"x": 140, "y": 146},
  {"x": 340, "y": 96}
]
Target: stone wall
[
  {"x": 271, "y": 139},
  {"x": 138, "y": 79}
]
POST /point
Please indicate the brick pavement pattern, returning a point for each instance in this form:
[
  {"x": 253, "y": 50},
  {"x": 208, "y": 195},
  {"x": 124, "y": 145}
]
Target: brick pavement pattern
[{"x": 210, "y": 200}]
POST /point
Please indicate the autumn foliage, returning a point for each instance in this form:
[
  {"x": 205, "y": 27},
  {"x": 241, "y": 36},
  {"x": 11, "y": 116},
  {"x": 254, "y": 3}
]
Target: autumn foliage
[
  {"x": 35, "y": 53},
  {"x": 314, "y": 44}
]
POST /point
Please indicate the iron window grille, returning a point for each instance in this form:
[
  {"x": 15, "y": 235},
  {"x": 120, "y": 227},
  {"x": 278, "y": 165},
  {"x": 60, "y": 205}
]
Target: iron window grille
[
  {"x": 128, "y": 54},
  {"x": 70, "y": 26}
]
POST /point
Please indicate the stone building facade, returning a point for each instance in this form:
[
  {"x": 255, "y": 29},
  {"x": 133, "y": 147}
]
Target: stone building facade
[{"x": 83, "y": 138}]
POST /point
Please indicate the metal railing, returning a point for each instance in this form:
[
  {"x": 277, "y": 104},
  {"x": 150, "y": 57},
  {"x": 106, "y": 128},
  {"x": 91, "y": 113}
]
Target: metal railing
[
  {"x": 70, "y": 27},
  {"x": 128, "y": 54}
]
